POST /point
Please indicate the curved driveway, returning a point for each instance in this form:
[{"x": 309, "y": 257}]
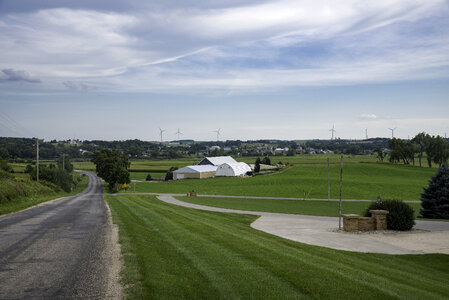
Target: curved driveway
[
  {"x": 60, "y": 249},
  {"x": 431, "y": 236}
]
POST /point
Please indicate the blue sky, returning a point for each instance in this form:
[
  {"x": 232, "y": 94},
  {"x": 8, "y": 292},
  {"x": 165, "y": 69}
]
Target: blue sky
[{"x": 256, "y": 69}]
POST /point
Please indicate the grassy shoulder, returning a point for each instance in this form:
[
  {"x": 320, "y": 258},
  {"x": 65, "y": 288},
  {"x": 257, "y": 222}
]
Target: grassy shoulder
[
  {"x": 176, "y": 252},
  {"x": 40, "y": 194},
  {"x": 303, "y": 207}
]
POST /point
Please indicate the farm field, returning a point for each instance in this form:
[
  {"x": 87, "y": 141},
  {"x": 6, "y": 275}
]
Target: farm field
[
  {"x": 362, "y": 181},
  {"x": 177, "y": 252},
  {"x": 363, "y": 178},
  {"x": 314, "y": 208}
]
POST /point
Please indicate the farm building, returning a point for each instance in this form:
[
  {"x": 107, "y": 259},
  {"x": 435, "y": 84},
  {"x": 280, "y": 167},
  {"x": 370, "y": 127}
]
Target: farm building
[
  {"x": 233, "y": 169},
  {"x": 217, "y": 160},
  {"x": 198, "y": 172}
]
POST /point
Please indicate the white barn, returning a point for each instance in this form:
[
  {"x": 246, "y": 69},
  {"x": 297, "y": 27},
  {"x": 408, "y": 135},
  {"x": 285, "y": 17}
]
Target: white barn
[
  {"x": 217, "y": 160},
  {"x": 198, "y": 172},
  {"x": 233, "y": 169}
]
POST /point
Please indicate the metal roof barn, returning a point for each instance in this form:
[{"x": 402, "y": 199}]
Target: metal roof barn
[
  {"x": 217, "y": 160},
  {"x": 198, "y": 172},
  {"x": 233, "y": 169}
]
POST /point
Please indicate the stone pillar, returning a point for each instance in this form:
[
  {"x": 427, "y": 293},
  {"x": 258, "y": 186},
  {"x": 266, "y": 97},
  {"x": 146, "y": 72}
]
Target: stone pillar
[
  {"x": 381, "y": 218},
  {"x": 350, "y": 222}
]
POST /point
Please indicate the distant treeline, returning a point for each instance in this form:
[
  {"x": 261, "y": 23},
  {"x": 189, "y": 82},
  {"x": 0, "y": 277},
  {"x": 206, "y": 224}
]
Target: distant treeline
[
  {"x": 25, "y": 148},
  {"x": 349, "y": 146}
]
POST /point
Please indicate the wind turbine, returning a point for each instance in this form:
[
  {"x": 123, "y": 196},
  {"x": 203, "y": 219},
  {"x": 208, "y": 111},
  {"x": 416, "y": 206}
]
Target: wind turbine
[
  {"x": 366, "y": 133},
  {"x": 218, "y": 133},
  {"x": 178, "y": 133},
  {"x": 160, "y": 132},
  {"x": 333, "y": 131},
  {"x": 392, "y": 132}
]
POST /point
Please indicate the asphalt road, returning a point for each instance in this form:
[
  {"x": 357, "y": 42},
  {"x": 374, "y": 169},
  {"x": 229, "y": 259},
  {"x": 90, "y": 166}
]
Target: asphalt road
[{"x": 57, "y": 250}]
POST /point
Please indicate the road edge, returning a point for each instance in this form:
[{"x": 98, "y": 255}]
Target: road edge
[{"x": 114, "y": 289}]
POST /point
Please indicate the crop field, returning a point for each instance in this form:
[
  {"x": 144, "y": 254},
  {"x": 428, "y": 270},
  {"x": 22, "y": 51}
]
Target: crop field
[
  {"x": 362, "y": 181},
  {"x": 314, "y": 208},
  {"x": 176, "y": 252},
  {"x": 305, "y": 176}
]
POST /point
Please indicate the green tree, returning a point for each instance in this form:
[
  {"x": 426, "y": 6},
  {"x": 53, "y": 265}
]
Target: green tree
[
  {"x": 435, "y": 198},
  {"x": 266, "y": 160},
  {"x": 380, "y": 154},
  {"x": 66, "y": 164},
  {"x": 420, "y": 141},
  {"x": 169, "y": 174},
  {"x": 112, "y": 166},
  {"x": 440, "y": 153},
  {"x": 291, "y": 152},
  {"x": 401, "y": 150},
  {"x": 257, "y": 166}
]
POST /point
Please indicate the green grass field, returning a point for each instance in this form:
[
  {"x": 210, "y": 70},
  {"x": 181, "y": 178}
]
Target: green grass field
[
  {"x": 314, "y": 208},
  {"x": 364, "y": 181},
  {"x": 176, "y": 252}
]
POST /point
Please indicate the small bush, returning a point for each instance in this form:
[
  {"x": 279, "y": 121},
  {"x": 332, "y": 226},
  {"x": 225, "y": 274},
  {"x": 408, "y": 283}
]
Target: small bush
[
  {"x": 148, "y": 177},
  {"x": 400, "y": 216}
]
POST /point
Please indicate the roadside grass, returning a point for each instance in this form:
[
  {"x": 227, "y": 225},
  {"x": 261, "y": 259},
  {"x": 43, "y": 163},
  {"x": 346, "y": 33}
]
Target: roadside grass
[
  {"x": 303, "y": 207},
  {"x": 361, "y": 181},
  {"x": 143, "y": 175},
  {"x": 24, "y": 202},
  {"x": 176, "y": 252}
]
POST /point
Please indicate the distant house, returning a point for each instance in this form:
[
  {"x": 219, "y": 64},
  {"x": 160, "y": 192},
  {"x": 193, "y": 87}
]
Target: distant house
[
  {"x": 199, "y": 172},
  {"x": 213, "y": 148},
  {"x": 233, "y": 169},
  {"x": 217, "y": 160}
]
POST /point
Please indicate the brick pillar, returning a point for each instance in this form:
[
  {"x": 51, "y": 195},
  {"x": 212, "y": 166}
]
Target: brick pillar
[
  {"x": 381, "y": 218},
  {"x": 350, "y": 223}
]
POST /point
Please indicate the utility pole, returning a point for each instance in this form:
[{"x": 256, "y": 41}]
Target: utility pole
[
  {"x": 37, "y": 160},
  {"x": 63, "y": 161},
  {"x": 328, "y": 182},
  {"x": 341, "y": 184}
]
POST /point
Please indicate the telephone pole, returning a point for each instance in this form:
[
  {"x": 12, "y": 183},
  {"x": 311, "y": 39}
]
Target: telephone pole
[
  {"x": 37, "y": 160},
  {"x": 63, "y": 161},
  {"x": 341, "y": 184},
  {"x": 328, "y": 182}
]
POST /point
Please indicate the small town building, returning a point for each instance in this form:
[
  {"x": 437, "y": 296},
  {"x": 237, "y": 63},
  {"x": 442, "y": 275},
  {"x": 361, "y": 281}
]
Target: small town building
[
  {"x": 217, "y": 160},
  {"x": 233, "y": 169},
  {"x": 198, "y": 172}
]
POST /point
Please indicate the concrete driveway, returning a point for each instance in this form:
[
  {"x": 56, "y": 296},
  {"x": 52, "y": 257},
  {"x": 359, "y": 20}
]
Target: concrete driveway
[{"x": 427, "y": 236}]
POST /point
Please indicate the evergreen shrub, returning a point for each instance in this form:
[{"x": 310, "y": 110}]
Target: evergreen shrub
[{"x": 400, "y": 214}]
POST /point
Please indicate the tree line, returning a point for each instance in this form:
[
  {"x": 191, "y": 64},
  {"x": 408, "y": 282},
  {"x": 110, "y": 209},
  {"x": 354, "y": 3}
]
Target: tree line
[{"x": 434, "y": 149}]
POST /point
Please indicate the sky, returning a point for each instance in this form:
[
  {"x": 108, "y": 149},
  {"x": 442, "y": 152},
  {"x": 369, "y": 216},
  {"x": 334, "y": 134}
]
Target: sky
[{"x": 116, "y": 70}]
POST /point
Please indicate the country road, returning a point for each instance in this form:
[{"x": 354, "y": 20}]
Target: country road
[{"x": 62, "y": 249}]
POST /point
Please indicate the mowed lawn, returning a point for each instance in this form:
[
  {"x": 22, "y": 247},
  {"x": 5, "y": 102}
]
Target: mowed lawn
[
  {"x": 362, "y": 181},
  {"x": 312, "y": 207},
  {"x": 176, "y": 252}
]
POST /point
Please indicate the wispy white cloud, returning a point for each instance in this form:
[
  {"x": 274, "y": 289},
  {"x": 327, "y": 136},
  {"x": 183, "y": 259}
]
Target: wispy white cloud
[{"x": 232, "y": 49}]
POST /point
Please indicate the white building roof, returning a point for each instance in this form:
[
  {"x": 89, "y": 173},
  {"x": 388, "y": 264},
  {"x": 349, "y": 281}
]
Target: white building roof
[
  {"x": 233, "y": 169},
  {"x": 197, "y": 169},
  {"x": 218, "y": 160}
]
